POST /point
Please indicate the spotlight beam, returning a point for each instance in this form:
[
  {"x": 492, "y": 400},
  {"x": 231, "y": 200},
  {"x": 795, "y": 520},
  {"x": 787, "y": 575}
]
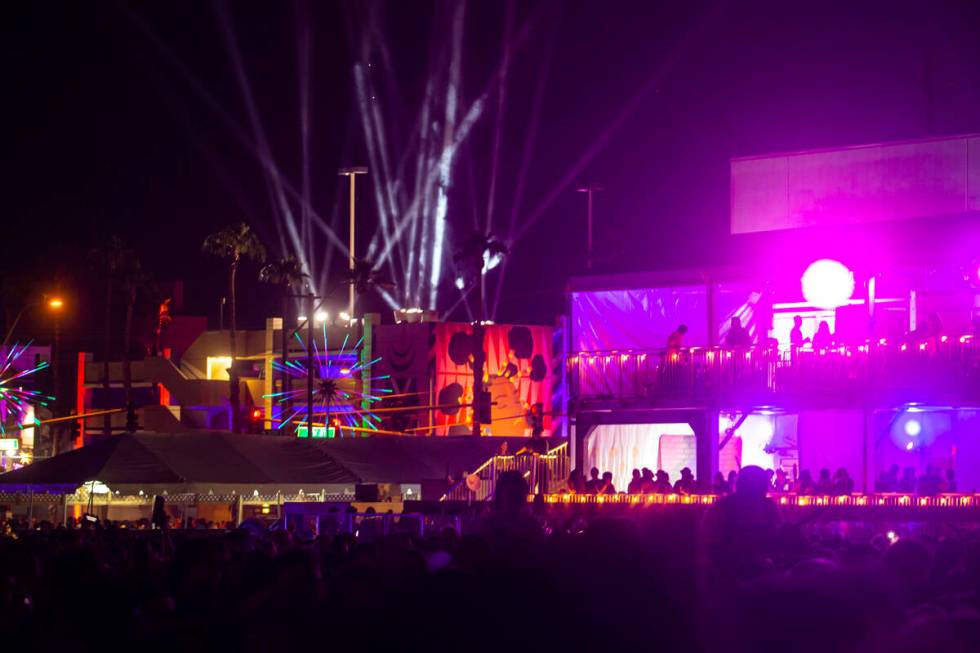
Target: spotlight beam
[
  {"x": 693, "y": 37},
  {"x": 499, "y": 116},
  {"x": 530, "y": 140},
  {"x": 433, "y": 174},
  {"x": 262, "y": 143},
  {"x": 304, "y": 46},
  {"x": 202, "y": 92}
]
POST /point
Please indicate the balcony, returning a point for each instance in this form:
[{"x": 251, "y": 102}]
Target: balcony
[{"x": 938, "y": 370}]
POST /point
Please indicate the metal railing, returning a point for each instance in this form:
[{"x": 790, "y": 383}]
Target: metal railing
[
  {"x": 893, "y": 500},
  {"x": 112, "y": 499},
  {"x": 941, "y": 367},
  {"x": 546, "y": 472}
]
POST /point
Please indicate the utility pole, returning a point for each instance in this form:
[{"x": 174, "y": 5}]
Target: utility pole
[
  {"x": 479, "y": 357},
  {"x": 352, "y": 173},
  {"x": 309, "y": 364},
  {"x": 55, "y": 433},
  {"x": 590, "y": 189}
]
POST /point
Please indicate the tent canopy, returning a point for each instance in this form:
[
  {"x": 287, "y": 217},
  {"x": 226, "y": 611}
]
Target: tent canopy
[{"x": 184, "y": 461}]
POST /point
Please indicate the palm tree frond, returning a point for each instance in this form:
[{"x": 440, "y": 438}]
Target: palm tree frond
[{"x": 235, "y": 242}]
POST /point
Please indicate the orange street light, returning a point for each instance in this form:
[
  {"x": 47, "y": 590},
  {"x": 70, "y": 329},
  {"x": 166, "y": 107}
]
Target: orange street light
[{"x": 54, "y": 303}]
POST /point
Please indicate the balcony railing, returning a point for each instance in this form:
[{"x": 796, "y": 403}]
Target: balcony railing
[{"x": 939, "y": 369}]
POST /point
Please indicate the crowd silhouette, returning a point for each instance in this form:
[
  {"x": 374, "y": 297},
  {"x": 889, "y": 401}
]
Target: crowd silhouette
[
  {"x": 644, "y": 481},
  {"x": 731, "y": 577}
]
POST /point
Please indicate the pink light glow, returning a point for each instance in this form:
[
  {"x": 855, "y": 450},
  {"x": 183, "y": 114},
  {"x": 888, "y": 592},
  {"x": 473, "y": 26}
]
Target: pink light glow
[{"x": 827, "y": 284}]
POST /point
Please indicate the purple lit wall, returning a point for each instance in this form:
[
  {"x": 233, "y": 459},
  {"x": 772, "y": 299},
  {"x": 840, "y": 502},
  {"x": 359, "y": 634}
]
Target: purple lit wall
[
  {"x": 868, "y": 183},
  {"x": 637, "y": 319},
  {"x": 831, "y": 439},
  {"x": 642, "y": 318},
  {"x": 945, "y": 438}
]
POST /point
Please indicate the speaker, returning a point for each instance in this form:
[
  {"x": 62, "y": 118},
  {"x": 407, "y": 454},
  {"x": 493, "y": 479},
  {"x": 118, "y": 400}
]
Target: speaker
[{"x": 366, "y": 492}]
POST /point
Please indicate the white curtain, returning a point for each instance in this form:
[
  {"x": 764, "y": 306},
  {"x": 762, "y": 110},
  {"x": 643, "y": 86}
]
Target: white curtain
[{"x": 621, "y": 448}]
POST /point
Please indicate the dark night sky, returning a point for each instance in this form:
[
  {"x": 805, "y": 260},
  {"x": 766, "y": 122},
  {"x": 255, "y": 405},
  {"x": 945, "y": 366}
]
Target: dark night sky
[{"x": 105, "y": 136}]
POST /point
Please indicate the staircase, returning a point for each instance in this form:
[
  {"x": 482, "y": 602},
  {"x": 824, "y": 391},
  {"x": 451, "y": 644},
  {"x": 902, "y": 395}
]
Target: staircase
[{"x": 546, "y": 472}]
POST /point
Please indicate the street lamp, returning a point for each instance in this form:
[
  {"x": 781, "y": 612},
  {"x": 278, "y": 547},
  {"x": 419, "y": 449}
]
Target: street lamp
[
  {"x": 590, "y": 189},
  {"x": 53, "y": 302},
  {"x": 352, "y": 173}
]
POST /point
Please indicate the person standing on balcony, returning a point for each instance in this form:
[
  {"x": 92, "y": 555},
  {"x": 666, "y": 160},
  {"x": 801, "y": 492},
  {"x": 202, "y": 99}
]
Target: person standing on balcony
[
  {"x": 738, "y": 336},
  {"x": 823, "y": 338},
  {"x": 648, "y": 485},
  {"x": 606, "y": 485},
  {"x": 686, "y": 483},
  {"x": 796, "y": 339},
  {"x": 675, "y": 341},
  {"x": 576, "y": 482},
  {"x": 636, "y": 483},
  {"x": 950, "y": 484},
  {"x": 593, "y": 484}
]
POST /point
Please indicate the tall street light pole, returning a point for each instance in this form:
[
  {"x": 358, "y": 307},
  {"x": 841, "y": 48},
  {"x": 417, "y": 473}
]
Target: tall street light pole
[
  {"x": 590, "y": 189},
  {"x": 55, "y": 433},
  {"x": 352, "y": 173},
  {"x": 309, "y": 364},
  {"x": 55, "y": 304},
  {"x": 479, "y": 356}
]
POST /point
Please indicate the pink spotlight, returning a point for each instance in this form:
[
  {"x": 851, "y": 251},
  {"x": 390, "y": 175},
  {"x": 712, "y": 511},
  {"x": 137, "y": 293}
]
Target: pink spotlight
[{"x": 827, "y": 284}]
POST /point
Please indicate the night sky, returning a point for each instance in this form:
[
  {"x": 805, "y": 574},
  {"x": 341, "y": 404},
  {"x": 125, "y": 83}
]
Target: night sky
[{"x": 106, "y": 134}]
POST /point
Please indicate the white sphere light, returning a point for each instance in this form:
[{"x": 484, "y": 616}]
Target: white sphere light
[
  {"x": 913, "y": 428},
  {"x": 827, "y": 284}
]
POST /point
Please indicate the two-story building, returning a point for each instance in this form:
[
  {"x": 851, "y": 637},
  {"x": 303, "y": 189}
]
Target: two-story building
[{"x": 872, "y": 255}]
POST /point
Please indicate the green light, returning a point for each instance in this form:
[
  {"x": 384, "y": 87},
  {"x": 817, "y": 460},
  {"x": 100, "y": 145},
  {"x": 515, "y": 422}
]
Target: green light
[{"x": 318, "y": 432}]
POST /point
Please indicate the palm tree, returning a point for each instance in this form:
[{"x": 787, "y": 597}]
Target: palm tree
[
  {"x": 286, "y": 273},
  {"x": 479, "y": 254},
  {"x": 133, "y": 279},
  {"x": 107, "y": 261},
  {"x": 233, "y": 244},
  {"x": 365, "y": 278}
]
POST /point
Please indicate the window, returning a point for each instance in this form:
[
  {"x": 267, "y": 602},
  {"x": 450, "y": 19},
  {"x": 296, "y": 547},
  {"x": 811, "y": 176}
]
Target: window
[{"x": 218, "y": 367}]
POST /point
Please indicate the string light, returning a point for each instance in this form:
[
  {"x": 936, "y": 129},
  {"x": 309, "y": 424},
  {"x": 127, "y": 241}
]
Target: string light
[{"x": 801, "y": 500}]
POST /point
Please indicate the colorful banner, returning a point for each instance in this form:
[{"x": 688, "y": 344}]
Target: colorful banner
[{"x": 518, "y": 374}]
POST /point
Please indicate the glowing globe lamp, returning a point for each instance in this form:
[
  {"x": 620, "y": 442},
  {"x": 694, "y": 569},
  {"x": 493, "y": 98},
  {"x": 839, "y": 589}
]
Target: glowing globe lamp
[
  {"x": 827, "y": 284},
  {"x": 913, "y": 428}
]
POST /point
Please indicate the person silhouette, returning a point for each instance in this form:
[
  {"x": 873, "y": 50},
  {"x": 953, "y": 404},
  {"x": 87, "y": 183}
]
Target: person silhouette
[
  {"x": 606, "y": 485},
  {"x": 738, "y": 336},
  {"x": 636, "y": 483},
  {"x": 823, "y": 338},
  {"x": 796, "y": 335},
  {"x": 686, "y": 483},
  {"x": 675, "y": 341},
  {"x": 740, "y": 529},
  {"x": 592, "y": 485}
]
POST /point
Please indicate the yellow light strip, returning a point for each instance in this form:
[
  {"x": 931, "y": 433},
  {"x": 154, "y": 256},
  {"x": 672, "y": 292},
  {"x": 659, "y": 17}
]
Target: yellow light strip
[{"x": 852, "y": 500}]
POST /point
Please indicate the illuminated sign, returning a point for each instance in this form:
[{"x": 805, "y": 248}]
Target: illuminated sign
[
  {"x": 318, "y": 432},
  {"x": 9, "y": 444}
]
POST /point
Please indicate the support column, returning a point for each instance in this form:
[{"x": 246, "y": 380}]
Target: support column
[
  {"x": 868, "y": 451},
  {"x": 367, "y": 335},
  {"x": 706, "y": 446},
  {"x": 583, "y": 428}
]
